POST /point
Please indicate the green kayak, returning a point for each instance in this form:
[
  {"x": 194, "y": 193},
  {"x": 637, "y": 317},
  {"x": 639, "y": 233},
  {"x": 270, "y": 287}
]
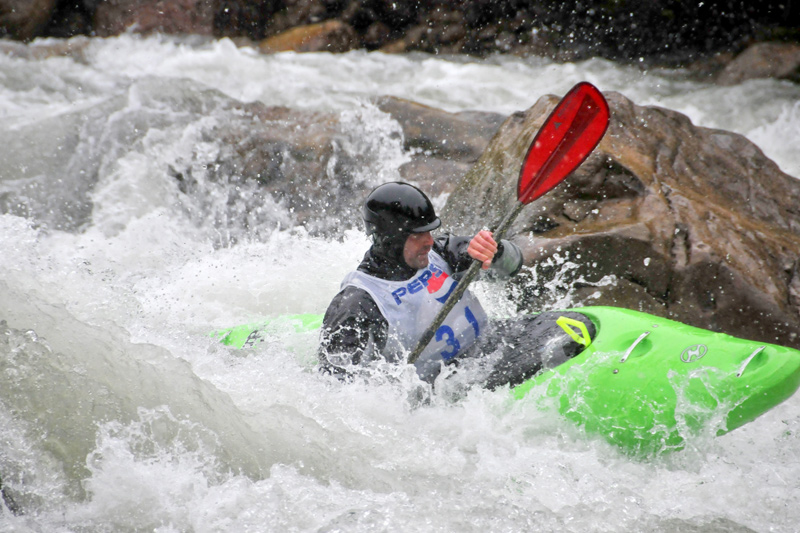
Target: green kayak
[
  {"x": 644, "y": 383},
  {"x": 249, "y": 335},
  {"x": 647, "y": 383}
]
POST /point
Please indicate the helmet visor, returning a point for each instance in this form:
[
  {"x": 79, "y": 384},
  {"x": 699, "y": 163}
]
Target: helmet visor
[{"x": 427, "y": 227}]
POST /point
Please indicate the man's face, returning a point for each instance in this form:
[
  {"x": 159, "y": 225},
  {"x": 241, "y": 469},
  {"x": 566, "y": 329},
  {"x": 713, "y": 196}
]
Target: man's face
[{"x": 415, "y": 251}]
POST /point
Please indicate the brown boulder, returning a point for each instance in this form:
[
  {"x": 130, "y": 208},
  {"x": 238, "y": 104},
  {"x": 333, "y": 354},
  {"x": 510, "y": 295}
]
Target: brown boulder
[
  {"x": 24, "y": 19},
  {"x": 328, "y": 36},
  {"x": 304, "y": 162},
  {"x": 443, "y": 146},
  {"x": 145, "y": 16},
  {"x": 276, "y": 159},
  {"x": 681, "y": 221},
  {"x": 763, "y": 60}
]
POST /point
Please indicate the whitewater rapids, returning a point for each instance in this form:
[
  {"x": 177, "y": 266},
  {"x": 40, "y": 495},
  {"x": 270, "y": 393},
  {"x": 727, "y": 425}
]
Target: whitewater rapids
[{"x": 120, "y": 412}]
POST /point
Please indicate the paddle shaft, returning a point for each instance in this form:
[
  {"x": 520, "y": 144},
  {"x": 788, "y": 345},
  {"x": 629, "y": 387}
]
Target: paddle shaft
[
  {"x": 564, "y": 141},
  {"x": 463, "y": 283}
]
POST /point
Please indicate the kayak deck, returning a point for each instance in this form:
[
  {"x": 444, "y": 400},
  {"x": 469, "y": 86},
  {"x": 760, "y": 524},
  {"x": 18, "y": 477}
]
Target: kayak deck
[{"x": 648, "y": 383}]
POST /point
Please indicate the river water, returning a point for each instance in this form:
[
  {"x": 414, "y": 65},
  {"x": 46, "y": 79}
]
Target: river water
[{"x": 120, "y": 413}]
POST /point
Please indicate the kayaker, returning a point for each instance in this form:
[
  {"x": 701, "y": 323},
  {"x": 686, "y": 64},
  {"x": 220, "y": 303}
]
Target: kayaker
[{"x": 387, "y": 303}]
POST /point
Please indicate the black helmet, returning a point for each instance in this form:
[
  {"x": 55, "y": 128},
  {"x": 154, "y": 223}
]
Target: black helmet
[{"x": 393, "y": 211}]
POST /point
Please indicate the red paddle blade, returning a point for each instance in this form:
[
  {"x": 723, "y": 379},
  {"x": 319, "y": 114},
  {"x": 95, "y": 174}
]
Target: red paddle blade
[{"x": 568, "y": 136}]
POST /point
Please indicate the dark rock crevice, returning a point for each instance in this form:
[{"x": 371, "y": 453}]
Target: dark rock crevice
[
  {"x": 8, "y": 500},
  {"x": 704, "y": 36}
]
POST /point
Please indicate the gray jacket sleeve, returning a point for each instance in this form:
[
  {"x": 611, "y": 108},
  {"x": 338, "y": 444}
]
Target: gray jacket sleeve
[{"x": 508, "y": 260}]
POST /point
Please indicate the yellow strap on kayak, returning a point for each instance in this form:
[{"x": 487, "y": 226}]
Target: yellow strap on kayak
[{"x": 567, "y": 324}]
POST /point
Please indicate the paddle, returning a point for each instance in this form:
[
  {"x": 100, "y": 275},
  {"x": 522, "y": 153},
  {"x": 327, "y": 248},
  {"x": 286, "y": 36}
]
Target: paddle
[{"x": 568, "y": 136}]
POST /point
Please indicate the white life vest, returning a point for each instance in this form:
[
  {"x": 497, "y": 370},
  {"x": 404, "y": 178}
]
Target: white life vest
[{"x": 410, "y": 306}]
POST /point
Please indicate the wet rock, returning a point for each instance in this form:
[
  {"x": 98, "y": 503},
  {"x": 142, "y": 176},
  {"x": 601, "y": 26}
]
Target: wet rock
[
  {"x": 306, "y": 163},
  {"x": 8, "y": 500},
  {"x": 24, "y": 19},
  {"x": 434, "y": 175},
  {"x": 275, "y": 158},
  {"x": 73, "y": 48},
  {"x": 329, "y": 36},
  {"x": 245, "y": 18},
  {"x": 112, "y": 17},
  {"x": 763, "y": 60},
  {"x": 443, "y": 145},
  {"x": 71, "y": 18},
  {"x": 658, "y": 33},
  {"x": 681, "y": 221},
  {"x": 455, "y": 136},
  {"x": 376, "y": 35}
]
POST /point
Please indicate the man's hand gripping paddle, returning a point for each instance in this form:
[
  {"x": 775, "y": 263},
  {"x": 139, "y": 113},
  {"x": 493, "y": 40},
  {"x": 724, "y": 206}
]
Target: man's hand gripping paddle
[{"x": 566, "y": 139}]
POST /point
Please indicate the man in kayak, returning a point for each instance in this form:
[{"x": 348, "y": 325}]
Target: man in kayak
[{"x": 387, "y": 303}]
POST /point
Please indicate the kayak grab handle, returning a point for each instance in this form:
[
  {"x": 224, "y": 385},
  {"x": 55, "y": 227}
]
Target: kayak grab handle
[
  {"x": 567, "y": 324},
  {"x": 633, "y": 346},
  {"x": 748, "y": 360}
]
